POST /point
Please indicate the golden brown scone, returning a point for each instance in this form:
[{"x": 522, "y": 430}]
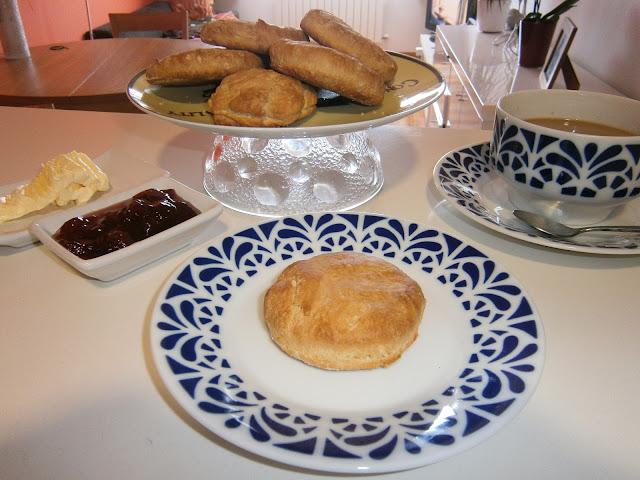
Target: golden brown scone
[
  {"x": 261, "y": 98},
  {"x": 200, "y": 66},
  {"x": 255, "y": 37},
  {"x": 331, "y": 31},
  {"x": 324, "y": 67},
  {"x": 344, "y": 311}
]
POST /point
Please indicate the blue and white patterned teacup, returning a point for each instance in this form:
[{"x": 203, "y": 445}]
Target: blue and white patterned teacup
[{"x": 571, "y": 177}]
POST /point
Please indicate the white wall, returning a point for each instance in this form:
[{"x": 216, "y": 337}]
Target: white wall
[
  {"x": 248, "y": 9},
  {"x": 607, "y": 43}
]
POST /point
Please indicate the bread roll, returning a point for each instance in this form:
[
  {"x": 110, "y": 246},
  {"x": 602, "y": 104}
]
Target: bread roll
[
  {"x": 261, "y": 98},
  {"x": 200, "y": 66},
  {"x": 255, "y": 37},
  {"x": 324, "y": 67},
  {"x": 344, "y": 311},
  {"x": 331, "y": 31}
]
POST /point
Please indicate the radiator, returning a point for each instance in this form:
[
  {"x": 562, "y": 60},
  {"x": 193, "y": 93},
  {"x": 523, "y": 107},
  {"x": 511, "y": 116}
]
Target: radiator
[{"x": 364, "y": 16}]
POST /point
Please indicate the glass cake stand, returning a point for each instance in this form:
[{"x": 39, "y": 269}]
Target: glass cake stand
[{"x": 325, "y": 162}]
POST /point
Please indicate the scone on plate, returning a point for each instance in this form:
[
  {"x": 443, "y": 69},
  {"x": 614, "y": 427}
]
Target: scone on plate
[
  {"x": 261, "y": 98},
  {"x": 344, "y": 311}
]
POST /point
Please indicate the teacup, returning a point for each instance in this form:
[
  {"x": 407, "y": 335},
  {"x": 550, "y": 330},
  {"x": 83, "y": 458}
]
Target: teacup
[{"x": 575, "y": 178}]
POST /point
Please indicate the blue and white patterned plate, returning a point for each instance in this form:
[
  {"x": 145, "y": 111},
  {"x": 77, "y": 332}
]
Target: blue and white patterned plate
[
  {"x": 468, "y": 181},
  {"x": 476, "y": 362}
]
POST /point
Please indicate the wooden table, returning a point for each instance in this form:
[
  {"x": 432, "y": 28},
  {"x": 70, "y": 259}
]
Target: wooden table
[{"x": 85, "y": 75}]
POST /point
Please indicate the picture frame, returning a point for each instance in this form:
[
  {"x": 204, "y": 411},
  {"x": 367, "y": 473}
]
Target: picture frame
[
  {"x": 558, "y": 59},
  {"x": 446, "y": 12}
]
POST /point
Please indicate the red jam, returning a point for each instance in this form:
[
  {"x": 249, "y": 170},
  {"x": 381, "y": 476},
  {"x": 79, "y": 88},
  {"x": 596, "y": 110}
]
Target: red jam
[{"x": 117, "y": 226}]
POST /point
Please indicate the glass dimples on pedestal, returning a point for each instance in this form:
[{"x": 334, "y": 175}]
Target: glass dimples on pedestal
[{"x": 274, "y": 177}]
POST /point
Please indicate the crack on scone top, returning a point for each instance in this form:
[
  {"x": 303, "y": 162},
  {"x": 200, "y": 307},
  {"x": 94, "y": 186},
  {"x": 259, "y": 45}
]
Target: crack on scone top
[
  {"x": 266, "y": 112},
  {"x": 294, "y": 284}
]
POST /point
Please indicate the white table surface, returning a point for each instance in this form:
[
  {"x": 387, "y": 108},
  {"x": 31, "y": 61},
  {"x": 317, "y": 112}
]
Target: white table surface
[
  {"x": 488, "y": 68},
  {"x": 78, "y": 399}
]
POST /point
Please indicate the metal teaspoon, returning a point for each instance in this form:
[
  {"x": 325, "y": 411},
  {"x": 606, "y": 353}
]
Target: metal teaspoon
[{"x": 557, "y": 229}]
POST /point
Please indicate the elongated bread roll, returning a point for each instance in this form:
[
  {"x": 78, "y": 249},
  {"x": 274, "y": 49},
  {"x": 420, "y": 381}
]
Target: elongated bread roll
[
  {"x": 200, "y": 66},
  {"x": 255, "y": 37},
  {"x": 331, "y": 31},
  {"x": 324, "y": 67}
]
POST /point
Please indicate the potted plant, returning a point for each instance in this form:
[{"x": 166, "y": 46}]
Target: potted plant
[
  {"x": 536, "y": 32},
  {"x": 492, "y": 15}
]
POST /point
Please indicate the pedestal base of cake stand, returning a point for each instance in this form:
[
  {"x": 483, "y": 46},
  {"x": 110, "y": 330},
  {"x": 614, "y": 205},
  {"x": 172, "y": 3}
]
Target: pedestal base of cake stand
[{"x": 278, "y": 177}]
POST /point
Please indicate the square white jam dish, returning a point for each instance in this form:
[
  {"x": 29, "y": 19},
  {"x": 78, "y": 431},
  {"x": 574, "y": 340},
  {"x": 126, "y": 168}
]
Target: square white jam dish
[{"x": 120, "y": 262}]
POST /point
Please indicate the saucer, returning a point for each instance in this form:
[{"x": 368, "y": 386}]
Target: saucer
[{"x": 468, "y": 181}]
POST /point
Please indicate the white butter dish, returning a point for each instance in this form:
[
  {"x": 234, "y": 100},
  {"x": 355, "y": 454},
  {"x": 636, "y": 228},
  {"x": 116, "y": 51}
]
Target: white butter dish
[{"x": 120, "y": 262}]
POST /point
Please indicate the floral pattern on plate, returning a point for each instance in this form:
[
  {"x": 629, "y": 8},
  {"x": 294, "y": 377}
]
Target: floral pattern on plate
[{"x": 214, "y": 354}]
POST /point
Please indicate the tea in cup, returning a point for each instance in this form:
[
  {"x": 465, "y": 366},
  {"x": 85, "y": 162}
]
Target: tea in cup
[{"x": 572, "y": 156}]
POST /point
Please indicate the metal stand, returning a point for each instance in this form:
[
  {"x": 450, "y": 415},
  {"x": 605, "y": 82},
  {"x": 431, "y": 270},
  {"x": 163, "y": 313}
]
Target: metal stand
[{"x": 570, "y": 78}]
